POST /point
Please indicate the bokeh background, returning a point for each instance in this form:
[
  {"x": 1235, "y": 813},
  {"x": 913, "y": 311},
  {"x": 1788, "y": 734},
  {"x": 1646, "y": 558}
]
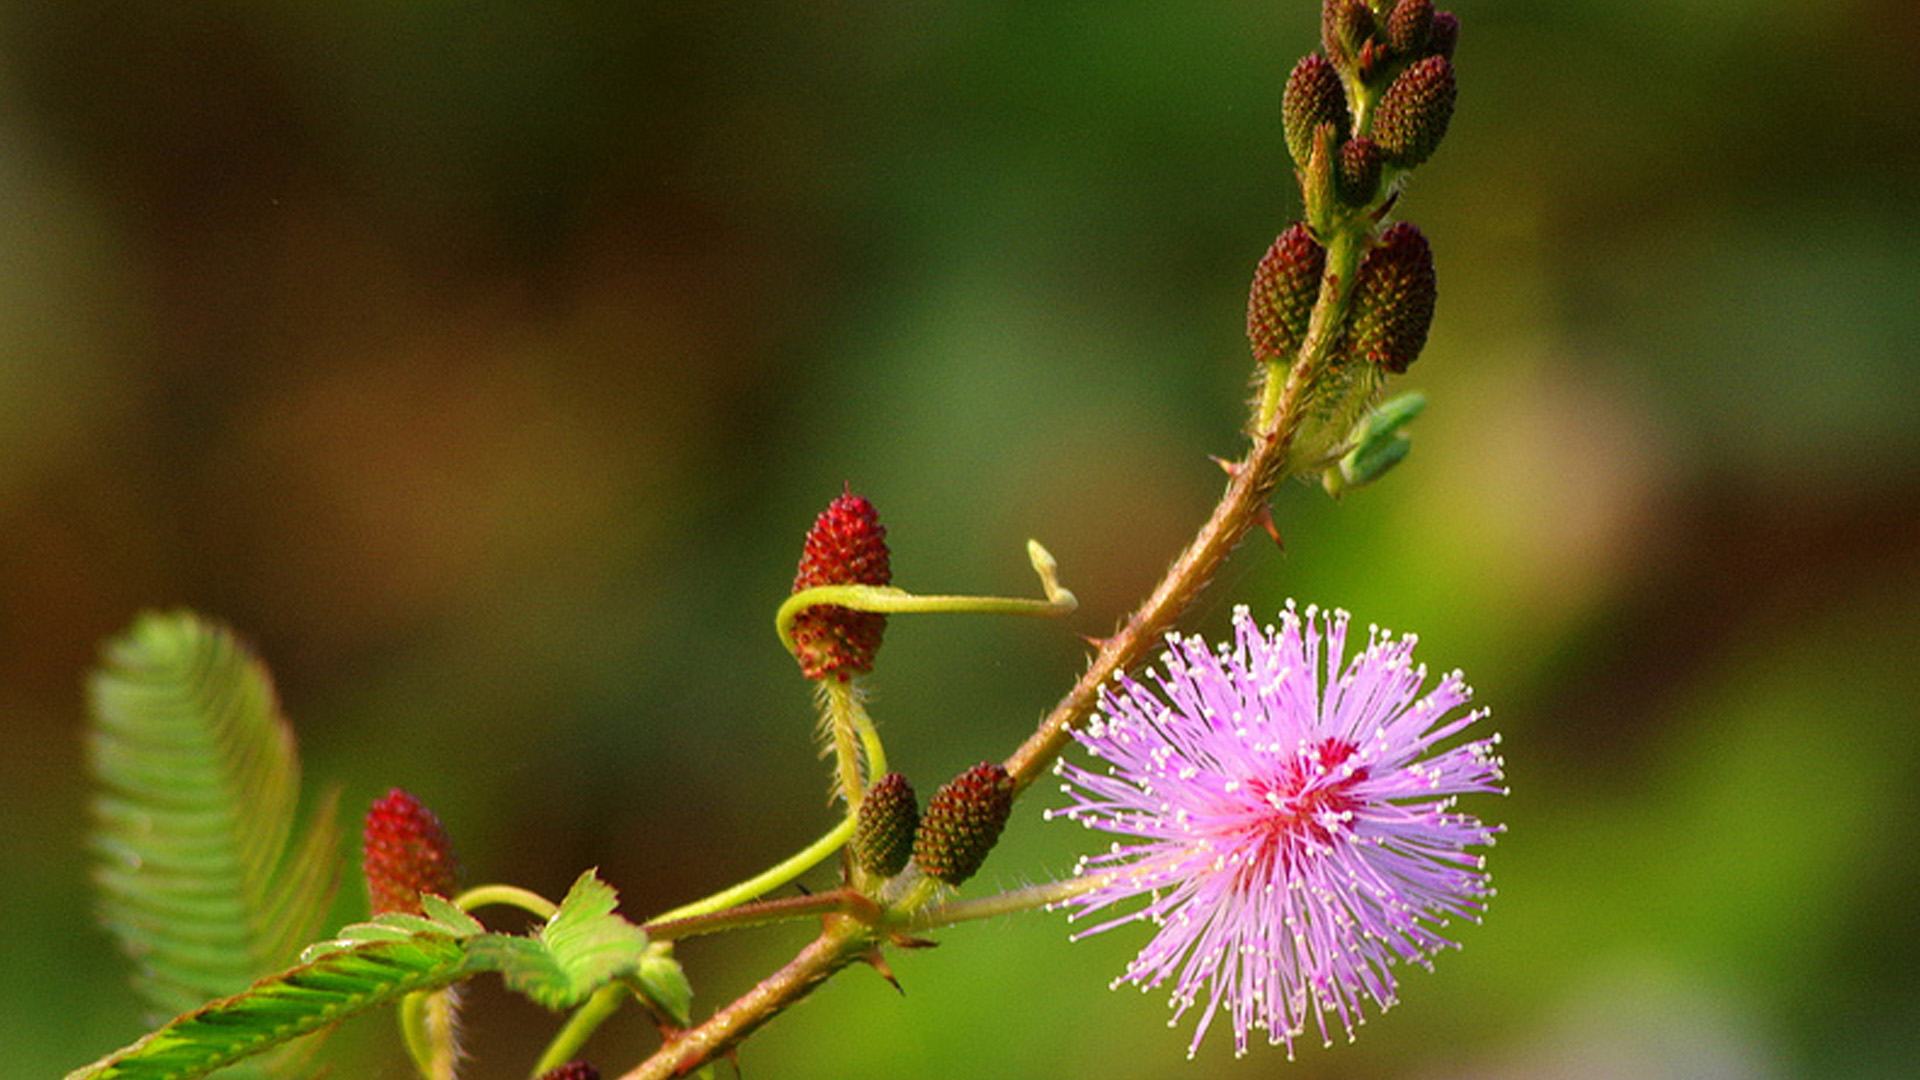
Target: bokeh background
[{"x": 485, "y": 362}]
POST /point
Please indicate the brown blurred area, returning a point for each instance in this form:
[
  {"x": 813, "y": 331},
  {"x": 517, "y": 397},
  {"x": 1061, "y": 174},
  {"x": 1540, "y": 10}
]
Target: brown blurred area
[{"x": 484, "y": 363}]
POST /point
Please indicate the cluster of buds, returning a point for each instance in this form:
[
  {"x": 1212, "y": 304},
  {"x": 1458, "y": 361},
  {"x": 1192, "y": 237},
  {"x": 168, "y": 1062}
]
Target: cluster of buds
[
  {"x": 846, "y": 546},
  {"x": 572, "y": 1070},
  {"x": 1358, "y": 117},
  {"x": 950, "y": 842}
]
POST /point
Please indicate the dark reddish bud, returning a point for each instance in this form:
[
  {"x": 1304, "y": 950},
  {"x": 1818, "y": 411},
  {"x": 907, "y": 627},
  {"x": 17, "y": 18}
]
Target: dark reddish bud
[
  {"x": 962, "y": 823},
  {"x": 405, "y": 853},
  {"x": 1444, "y": 35},
  {"x": 1410, "y": 26},
  {"x": 1358, "y": 175},
  {"x": 846, "y": 546},
  {"x": 572, "y": 1070},
  {"x": 883, "y": 832},
  {"x": 1413, "y": 114},
  {"x": 1314, "y": 96},
  {"x": 1345, "y": 26},
  {"x": 1393, "y": 297},
  {"x": 1285, "y": 286}
]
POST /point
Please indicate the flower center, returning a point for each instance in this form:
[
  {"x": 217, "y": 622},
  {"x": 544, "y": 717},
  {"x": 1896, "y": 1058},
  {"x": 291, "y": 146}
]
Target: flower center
[{"x": 1309, "y": 799}]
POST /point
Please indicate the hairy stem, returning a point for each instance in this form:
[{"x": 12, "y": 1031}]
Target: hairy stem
[{"x": 840, "y": 705}]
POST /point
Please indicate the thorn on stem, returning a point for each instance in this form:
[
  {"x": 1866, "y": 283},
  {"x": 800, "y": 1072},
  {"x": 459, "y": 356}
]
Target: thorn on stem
[
  {"x": 1231, "y": 468},
  {"x": 878, "y": 962},
  {"x": 1265, "y": 518}
]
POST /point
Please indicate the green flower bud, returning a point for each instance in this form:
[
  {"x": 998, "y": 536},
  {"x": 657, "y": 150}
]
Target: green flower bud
[
  {"x": 1393, "y": 297},
  {"x": 1409, "y": 26},
  {"x": 1316, "y": 179},
  {"x": 1444, "y": 35},
  {"x": 1413, "y": 114},
  {"x": 1285, "y": 286},
  {"x": 963, "y": 822},
  {"x": 1345, "y": 27},
  {"x": 1313, "y": 97},
  {"x": 883, "y": 831},
  {"x": 1357, "y": 176}
]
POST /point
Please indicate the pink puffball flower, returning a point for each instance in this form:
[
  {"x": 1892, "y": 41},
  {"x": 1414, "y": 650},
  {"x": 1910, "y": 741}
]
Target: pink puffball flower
[{"x": 1288, "y": 823}]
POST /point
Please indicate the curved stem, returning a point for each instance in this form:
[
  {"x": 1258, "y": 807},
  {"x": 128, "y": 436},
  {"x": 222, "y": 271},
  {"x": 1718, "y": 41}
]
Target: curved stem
[
  {"x": 509, "y": 896},
  {"x": 580, "y": 1027},
  {"x": 892, "y": 601},
  {"x": 764, "y": 913},
  {"x": 766, "y": 880}
]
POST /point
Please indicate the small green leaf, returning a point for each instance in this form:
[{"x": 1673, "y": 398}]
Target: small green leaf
[
  {"x": 584, "y": 946},
  {"x": 664, "y": 984},
  {"x": 1378, "y": 444},
  {"x": 442, "y": 918}
]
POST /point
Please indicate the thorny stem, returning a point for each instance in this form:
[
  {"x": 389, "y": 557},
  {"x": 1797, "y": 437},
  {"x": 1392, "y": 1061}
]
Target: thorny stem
[
  {"x": 1245, "y": 500},
  {"x": 845, "y": 938},
  {"x": 843, "y": 941}
]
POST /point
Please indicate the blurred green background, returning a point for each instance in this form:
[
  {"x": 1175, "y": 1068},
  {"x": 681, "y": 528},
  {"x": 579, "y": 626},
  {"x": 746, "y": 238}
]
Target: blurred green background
[{"x": 484, "y": 363}]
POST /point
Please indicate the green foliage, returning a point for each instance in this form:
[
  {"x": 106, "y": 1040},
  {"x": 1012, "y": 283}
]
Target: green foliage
[
  {"x": 583, "y": 947},
  {"x": 342, "y": 981},
  {"x": 198, "y": 876}
]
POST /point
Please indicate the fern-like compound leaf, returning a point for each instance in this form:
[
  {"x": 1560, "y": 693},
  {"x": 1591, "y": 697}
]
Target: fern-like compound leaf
[
  {"x": 198, "y": 784},
  {"x": 341, "y": 982},
  {"x": 584, "y": 946}
]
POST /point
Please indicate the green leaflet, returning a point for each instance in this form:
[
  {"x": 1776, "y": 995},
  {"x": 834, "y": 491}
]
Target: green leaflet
[
  {"x": 341, "y": 982},
  {"x": 197, "y": 870},
  {"x": 581, "y": 948}
]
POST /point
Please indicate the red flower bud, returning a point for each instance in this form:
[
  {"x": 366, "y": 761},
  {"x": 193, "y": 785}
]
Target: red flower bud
[
  {"x": 1285, "y": 285},
  {"x": 1409, "y": 26},
  {"x": 1357, "y": 175},
  {"x": 405, "y": 853},
  {"x": 1314, "y": 96},
  {"x": 883, "y": 831},
  {"x": 846, "y": 546},
  {"x": 1413, "y": 113},
  {"x": 1393, "y": 298},
  {"x": 962, "y": 823}
]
